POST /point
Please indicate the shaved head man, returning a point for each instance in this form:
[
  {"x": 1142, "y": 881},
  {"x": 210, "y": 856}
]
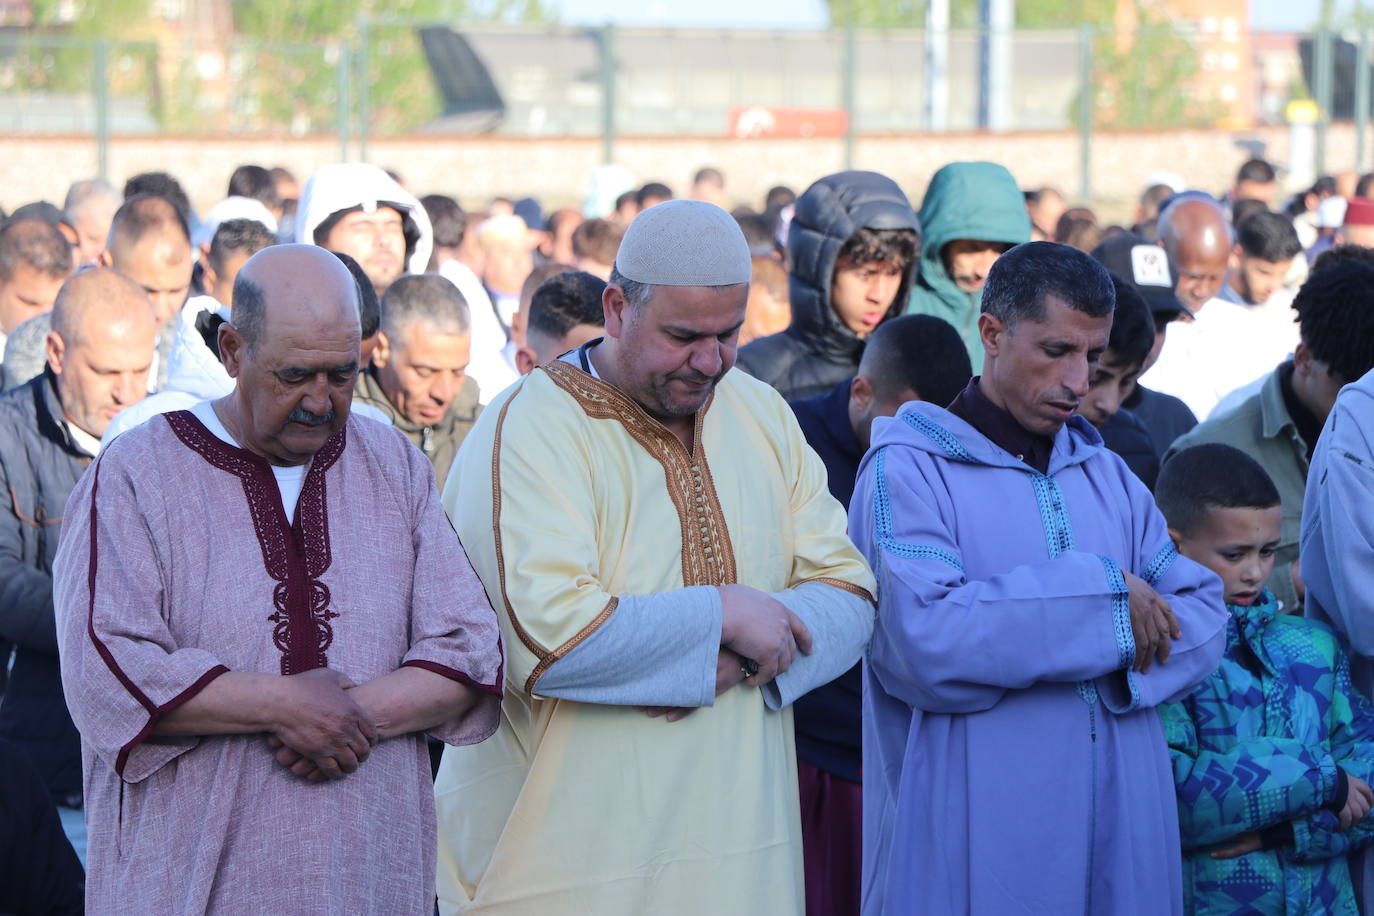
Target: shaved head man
[
  {"x": 242, "y": 669},
  {"x": 34, "y": 260},
  {"x": 101, "y": 347},
  {"x": 1226, "y": 344},
  {"x": 149, "y": 243},
  {"x": 89, "y": 209},
  {"x": 97, "y": 364},
  {"x": 1197, "y": 237},
  {"x": 295, "y": 367}
]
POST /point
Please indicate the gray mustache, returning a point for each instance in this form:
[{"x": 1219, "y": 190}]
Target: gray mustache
[{"x": 301, "y": 415}]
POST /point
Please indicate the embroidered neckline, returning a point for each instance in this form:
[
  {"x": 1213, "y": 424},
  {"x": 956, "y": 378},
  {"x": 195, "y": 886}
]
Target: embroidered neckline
[
  {"x": 708, "y": 557},
  {"x": 295, "y": 554}
]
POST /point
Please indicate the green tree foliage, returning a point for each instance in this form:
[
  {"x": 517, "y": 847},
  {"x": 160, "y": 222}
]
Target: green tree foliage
[
  {"x": 878, "y": 13},
  {"x": 399, "y": 90},
  {"x": 963, "y": 14},
  {"x": 1140, "y": 79},
  {"x": 279, "y": 70},
  {"x": 1143, "y": 80},
  {"x": 58, "y": 55}
]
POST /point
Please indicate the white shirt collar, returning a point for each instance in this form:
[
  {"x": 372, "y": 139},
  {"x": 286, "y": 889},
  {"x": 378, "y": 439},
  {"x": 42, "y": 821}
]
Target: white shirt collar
[{"x": 82, "y": 439}]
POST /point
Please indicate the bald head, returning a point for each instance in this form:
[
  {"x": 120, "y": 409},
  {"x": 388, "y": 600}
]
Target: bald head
[
  {"x": 292, "y": 348},
  {"x": 1197, "y": 237},
  {"x": 97, "y": 299},
  {"x": 1196, "y": 223},
  {"x": 101, "y": 347},
  {"x": 310, "y": 283}
]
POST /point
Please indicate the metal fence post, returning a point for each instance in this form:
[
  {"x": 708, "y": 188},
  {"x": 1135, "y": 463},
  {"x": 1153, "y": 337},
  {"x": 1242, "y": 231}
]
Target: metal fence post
[
  {"x": 608, "y": 68},
  {"x": 995, "y": 29},
  {"x": 937, "y": 65},
  {"x": 1086, "y": 34},
  {"x": 101, "y": 75},
  {"x": 1361, "y": 97},
  {"x": 364, "y": 81},
  {"x": 1321, "y": 91},
  {"x": 850, "y": 89},
  {"x": 345, "y": 101}
]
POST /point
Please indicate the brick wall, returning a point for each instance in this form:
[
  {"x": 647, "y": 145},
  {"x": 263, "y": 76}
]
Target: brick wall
[{"x": 556, "y": 171}]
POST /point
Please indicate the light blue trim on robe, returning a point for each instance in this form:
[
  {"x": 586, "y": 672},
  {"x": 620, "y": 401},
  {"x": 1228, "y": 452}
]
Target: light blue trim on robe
[
  {"x": 1160, "y": 564},
  {"x": 882, "y": 514},
  {"x": 1125, "y": 637},
  {"x": 1121, "y": 612},
  {"x": 939, "y": 435},
  {"x": 1054, "y": 515}
]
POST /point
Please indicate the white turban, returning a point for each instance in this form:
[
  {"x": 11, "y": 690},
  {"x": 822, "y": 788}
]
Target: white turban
[
  {"x": 232, "y": 208},
  {"x": 684, "y": 243}
]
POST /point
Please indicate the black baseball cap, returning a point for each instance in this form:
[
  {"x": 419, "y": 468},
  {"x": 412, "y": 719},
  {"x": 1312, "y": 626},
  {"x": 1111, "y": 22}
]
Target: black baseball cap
[{"x": 1145, "y": 266}]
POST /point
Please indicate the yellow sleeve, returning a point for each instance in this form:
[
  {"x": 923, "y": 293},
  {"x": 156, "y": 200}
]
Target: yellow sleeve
[
  {"x": 823, "y": 551},
  {"x": 522, "y": 500}
]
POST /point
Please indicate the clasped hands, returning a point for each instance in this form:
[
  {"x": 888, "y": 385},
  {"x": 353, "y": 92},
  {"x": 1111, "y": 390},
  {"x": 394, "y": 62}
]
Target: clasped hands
[
  {"x": 756, "y": 626},
  {"x": 321, "y": 732},
  {"x": 1153, "y": 623}
]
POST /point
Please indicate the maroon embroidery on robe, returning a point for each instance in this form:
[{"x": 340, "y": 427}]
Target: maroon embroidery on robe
[{"x": 294, "y": 554}]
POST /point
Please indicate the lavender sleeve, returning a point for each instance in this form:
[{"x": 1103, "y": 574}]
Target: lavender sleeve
[
  {"x": 946, "y": 643},
  {"x": 122, "y": 670},
  {"x": 453, "y": 629},
  {"x": 1195, "y": 595}
]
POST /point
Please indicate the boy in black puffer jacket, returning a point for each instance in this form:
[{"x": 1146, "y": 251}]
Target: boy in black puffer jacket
[{"x": 854, "y": 245}]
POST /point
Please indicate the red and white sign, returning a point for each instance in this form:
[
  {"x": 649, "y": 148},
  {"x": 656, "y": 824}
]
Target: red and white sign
[{"x": 768, "y": 121}]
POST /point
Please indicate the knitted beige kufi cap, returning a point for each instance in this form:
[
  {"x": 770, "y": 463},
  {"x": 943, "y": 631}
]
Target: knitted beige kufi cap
[{"x": 684, "y": 243}]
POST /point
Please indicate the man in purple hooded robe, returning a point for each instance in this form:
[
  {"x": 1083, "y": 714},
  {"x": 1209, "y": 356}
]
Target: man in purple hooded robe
[{"x": 1032, "y": 614}]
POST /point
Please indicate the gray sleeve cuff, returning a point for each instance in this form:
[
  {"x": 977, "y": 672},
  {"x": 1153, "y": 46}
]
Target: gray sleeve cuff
[
  {"x": 840, "y": 624},
  {"x": 654, "y": 650}
]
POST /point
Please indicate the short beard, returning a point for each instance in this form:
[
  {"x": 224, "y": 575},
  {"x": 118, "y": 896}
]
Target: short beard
[{"x": 666, "y": 409}]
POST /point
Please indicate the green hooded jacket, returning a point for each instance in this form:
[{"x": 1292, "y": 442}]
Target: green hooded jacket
[{"x": 965, "y": 200}]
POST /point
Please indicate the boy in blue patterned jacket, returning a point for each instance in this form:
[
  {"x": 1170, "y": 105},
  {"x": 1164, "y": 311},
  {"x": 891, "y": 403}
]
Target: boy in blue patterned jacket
[{"x": 1273, "y": 753}]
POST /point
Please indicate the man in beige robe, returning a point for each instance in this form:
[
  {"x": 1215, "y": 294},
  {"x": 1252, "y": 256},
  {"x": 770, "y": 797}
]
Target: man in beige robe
[{"x": 671, "y": 572}]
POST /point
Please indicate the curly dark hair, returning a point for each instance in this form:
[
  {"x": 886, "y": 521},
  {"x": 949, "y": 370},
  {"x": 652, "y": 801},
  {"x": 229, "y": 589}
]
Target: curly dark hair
[
  {"x": 868, "y": 245},
  {"x": 1336, "y": 318}
]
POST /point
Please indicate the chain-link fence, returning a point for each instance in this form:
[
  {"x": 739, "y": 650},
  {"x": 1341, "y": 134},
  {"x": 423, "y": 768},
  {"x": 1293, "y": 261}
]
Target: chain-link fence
[{"x": 398, "y": 78}]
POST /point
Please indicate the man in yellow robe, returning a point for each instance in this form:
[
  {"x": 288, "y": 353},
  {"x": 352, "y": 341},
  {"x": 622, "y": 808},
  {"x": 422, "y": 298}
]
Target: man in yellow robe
[{"x": 656, "y": 537}]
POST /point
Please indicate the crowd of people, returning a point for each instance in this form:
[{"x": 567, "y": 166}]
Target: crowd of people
[{"x": 368, "y": 554}]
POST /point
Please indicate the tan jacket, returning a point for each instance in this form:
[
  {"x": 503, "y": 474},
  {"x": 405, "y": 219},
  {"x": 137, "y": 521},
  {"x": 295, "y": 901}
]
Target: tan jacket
[{"x": 439, "y": 442}]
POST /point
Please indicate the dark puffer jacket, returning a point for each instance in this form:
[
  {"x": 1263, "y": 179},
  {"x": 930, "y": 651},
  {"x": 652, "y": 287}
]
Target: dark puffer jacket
[
  {"x": 817, "y": 351},
  {"x": 39, "y": 466}
]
